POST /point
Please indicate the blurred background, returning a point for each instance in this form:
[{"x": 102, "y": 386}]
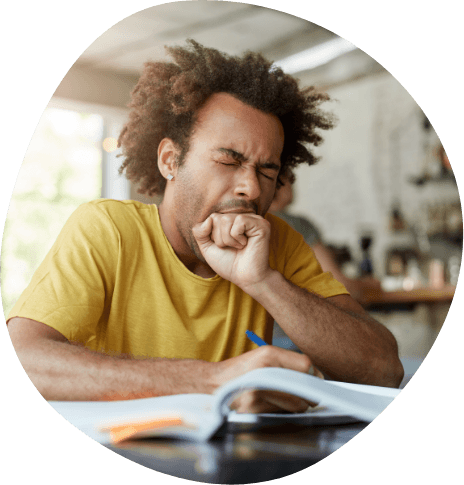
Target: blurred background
[{"x": 383, "y": 197}]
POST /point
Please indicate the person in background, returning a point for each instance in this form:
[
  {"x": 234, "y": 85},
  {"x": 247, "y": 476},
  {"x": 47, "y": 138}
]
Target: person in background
[{"x": 361, "y": 289}]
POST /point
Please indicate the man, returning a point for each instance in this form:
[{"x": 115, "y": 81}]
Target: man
[{"x": 133, "y": 301}]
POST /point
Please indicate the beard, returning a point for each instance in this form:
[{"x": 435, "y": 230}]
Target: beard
[{"x": 189, "y": 210}]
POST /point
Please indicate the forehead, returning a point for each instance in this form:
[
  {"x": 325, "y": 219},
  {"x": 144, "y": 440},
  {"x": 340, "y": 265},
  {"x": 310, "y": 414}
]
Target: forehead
[{"x": 226, "y": 122}]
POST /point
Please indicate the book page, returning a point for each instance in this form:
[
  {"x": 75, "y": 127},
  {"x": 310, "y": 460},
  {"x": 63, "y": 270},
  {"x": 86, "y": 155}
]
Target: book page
[{"x": 96, "y": 419}]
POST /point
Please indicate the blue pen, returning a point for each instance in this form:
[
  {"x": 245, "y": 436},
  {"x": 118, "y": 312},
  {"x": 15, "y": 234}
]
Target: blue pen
[
  {"x": 258, "y": 341},
  {"x": 255, "y": 339}
]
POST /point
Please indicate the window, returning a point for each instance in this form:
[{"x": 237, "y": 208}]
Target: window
[{"x": 70, "y": 160}]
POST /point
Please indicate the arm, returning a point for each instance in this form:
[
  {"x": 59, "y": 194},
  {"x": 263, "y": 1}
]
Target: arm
[
  {"x": 62, "y": 370},
  {"x": 341, "y": 338},
  {"x": 336, "y": 333}
]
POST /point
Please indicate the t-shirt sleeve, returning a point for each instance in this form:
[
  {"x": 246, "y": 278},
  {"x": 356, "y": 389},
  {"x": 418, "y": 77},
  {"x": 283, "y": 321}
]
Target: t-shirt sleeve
[
  {"x": 72, "y": 287},
  {"x": 294, "y": 258}
]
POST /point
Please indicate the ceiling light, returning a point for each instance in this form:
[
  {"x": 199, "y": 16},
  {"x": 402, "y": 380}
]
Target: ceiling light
[{"x": 315, "y": 56}]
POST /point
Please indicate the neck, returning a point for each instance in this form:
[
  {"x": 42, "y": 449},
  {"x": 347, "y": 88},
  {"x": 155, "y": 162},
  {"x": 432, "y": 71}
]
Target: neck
[{"x": 180, "y": 245}]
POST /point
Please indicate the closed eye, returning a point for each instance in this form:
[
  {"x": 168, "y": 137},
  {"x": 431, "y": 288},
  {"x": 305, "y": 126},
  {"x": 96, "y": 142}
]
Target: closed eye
[
  {"x": 238, "y": 164},
  {"x": 267, "y": 176}
]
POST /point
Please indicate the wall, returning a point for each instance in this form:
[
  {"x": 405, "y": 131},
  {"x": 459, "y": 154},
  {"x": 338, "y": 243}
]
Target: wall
[{"x": 367, "y": 162}]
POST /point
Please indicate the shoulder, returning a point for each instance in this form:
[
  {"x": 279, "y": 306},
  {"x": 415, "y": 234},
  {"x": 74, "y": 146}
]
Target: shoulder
[
  {"x": 282, "y": 232},
  {"x": 117, "y": 213},
  {"x": 278, "y": 224},
  {"x": 106, "y": 220},
  {"x": 278, "y": 219},
  {"x": 117, "y": 208}
]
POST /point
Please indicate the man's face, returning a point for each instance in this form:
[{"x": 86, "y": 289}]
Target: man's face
[{"x": 232, "y": 164}]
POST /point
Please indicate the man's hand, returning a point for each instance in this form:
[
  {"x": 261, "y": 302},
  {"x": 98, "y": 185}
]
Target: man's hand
[
  {"x": 235, "y": 246},
  {"x": 261, "y": 401}
]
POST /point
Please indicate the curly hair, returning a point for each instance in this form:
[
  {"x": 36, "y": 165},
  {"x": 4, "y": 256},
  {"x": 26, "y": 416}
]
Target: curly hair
[{"x": 168, "y": 95}]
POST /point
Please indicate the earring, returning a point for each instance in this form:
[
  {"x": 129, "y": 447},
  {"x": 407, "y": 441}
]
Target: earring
[{"x": 170, "y": 176}]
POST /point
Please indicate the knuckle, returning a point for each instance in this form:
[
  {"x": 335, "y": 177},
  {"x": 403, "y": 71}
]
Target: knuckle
[
  {"x": 267, "y": 355},
  {"x": 305, "y": 361}
]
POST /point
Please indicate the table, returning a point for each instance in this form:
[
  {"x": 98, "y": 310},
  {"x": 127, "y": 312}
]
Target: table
[
  {"x": 417, "y": 295},
  {"x": 241, "y": 453},
  {"x": 433, "y": 298}
]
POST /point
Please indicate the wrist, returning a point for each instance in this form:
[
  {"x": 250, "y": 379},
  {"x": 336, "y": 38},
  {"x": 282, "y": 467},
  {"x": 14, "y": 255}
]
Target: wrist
[
  {"x": 264, "y": 286},
  {"x": 213, "y": 378}
]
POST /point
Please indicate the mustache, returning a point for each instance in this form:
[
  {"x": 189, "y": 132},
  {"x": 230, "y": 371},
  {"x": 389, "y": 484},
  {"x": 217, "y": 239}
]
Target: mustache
[{"x": 236, "y": 204}]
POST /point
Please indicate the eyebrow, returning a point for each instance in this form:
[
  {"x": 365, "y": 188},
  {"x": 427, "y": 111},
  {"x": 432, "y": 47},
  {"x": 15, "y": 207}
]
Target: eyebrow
[{"x": 239, "y": 157}]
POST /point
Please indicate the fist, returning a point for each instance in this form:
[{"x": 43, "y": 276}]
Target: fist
[{"x": 235, "y": 246}]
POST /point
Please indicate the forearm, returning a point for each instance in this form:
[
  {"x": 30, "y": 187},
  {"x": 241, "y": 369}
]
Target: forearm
[
  {"x": 346, "y": 346},
  {"x": 63, "y": 371}
]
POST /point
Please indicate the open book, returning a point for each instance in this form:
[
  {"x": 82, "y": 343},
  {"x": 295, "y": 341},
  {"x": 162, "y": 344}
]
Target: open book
[{"x": 199, "y": 416}]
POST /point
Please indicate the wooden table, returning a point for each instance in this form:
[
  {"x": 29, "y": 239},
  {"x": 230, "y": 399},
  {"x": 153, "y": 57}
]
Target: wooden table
[
  {"x": 417, "y": 295},
  {"x": 433, "y": 298}
]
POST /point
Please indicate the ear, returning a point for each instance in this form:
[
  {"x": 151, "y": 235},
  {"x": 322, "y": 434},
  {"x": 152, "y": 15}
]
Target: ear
[{"x": 167, "y": 157}]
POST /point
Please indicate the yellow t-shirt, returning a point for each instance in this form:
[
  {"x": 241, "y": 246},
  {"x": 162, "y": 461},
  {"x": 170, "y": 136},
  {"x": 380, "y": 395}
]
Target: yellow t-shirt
[{"x": 113, "y": 282}]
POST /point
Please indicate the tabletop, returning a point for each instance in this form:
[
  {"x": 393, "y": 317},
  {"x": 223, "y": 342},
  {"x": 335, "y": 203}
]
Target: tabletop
[
  {"x": 241, "y": 453},
  {"x": 425, "y": 295}
]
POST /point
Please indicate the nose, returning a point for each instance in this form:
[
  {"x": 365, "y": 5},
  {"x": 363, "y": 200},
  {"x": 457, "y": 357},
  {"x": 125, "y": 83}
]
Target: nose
[{"x": 247, "y": 184}]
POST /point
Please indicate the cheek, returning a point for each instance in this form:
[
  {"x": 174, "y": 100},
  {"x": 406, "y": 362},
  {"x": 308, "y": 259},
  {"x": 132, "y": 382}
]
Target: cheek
[
  {"x": 265, "y": 204},
  {"x": 268, "y": 198},
  {"x": 197, "y": 201}
]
